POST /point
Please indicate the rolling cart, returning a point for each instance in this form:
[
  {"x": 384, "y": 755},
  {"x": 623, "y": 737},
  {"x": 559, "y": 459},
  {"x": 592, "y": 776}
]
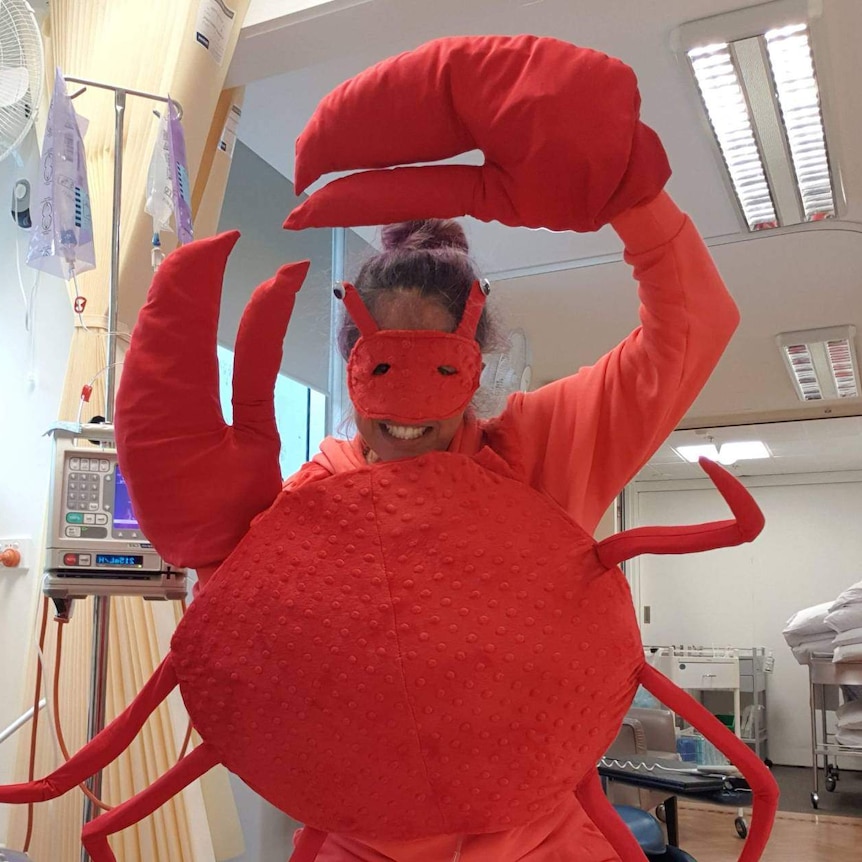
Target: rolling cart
[
  {"x": 731, "y": 670},
  {"x": 824, "y": 680}
]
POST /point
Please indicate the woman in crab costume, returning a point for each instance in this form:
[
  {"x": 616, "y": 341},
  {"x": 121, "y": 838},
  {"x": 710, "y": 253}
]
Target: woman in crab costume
[{"x": 414, "y": 646}]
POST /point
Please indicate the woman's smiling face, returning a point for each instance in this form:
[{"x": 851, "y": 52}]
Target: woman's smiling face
[{"x": 408, "y": 310}]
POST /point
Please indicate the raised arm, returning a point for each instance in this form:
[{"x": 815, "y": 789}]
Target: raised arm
[
  {"x": 583, "y": 437},
  {"x": 565, "y": 148}
]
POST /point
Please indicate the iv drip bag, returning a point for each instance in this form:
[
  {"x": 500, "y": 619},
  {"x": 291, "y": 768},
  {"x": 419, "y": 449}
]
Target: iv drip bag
[
  {"x": 168, "y": 186},
  {"x": 62, "y": 240}
]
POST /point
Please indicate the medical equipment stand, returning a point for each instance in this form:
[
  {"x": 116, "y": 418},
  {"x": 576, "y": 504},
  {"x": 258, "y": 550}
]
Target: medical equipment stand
[{"x": 102, "y": 604}]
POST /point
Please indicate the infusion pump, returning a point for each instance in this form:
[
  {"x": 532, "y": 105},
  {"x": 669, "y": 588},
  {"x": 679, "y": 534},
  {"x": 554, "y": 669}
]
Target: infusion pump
[{"x": 95, "y": 545}]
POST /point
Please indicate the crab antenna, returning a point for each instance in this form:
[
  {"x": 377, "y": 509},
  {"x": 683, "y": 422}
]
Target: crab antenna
[
  {"x": 473, "y": 309},
  {"x": 356, "y": 308}
]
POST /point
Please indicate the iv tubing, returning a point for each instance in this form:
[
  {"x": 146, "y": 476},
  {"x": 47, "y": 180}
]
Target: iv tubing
[{"x": 31, "y": 769}]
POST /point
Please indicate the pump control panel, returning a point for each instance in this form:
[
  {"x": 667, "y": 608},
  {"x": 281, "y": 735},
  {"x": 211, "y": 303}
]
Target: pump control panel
[{"x": 95, "y": 544}]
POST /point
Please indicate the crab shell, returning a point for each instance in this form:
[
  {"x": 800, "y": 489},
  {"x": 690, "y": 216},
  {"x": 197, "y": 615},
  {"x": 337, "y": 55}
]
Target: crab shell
[{"x": 415, "y": 648}]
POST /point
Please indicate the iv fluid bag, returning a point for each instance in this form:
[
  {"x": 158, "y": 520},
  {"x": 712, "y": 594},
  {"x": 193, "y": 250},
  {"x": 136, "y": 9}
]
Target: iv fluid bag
[
  {"x": 160, "y": 200},
  {"x": 168, "y": 187},
  {"x": 62, "y": 239},
  {"x": 180, "y": 176}
]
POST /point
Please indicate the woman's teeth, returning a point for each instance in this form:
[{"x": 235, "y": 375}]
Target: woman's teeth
[{"x": 405, "y": 432}]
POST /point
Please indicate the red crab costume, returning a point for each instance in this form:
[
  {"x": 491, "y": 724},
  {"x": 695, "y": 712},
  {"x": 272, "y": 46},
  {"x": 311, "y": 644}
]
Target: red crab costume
[{"x": 427, "y": 655}]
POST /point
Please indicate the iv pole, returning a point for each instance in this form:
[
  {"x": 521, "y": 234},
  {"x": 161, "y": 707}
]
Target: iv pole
[{"x": 102, "y": 604}]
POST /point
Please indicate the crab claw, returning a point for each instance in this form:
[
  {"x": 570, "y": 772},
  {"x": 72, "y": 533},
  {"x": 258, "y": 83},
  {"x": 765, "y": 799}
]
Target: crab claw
[
  {"x": 746, "y": 525},
  {"x": 195, "y": 482},
  {"x": 558, "y": 125}
]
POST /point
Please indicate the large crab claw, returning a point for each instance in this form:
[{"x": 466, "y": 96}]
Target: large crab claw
[
  {"x": 559, "y": 127},
  {"x": 195, "y": 482}
]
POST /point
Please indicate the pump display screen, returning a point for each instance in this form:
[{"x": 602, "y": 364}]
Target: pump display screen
[
  {"x": 130, "y": 560},
  {"x": 124, "y": 517}
]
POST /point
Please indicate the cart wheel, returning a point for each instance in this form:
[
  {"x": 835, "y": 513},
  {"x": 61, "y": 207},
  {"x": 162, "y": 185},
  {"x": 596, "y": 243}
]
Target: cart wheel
[
  {"x": 768, "y": 763},
  {"x": 815, "y": 801},
  {"x": 831, "y": 781},
  {"x": 741, "y": 827}
]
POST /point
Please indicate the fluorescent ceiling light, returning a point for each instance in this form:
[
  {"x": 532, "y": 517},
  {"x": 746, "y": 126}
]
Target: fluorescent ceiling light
[
  {"x": 723, "y": 96},
  {"x": 822, "y": 363},
  {"x": 760, "y": 91},
  {"x": 789, "y": 51},
  {"x": 727, "y": 453}
]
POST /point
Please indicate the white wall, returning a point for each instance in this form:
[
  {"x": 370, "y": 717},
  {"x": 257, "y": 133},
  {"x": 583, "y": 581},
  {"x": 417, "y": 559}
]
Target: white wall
[
  {"x": 29, "y": 403},
  {"x": 809, "y": 551}
]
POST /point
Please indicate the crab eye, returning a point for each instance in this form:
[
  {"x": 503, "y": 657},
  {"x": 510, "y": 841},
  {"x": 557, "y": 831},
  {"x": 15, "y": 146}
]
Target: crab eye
[
  {"x": 381, "y": 369},
  {"x": 447, "y": 370}
]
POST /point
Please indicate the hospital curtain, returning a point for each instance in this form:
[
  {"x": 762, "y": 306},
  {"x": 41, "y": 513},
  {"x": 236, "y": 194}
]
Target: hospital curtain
[{"x": 150, "y": 47}]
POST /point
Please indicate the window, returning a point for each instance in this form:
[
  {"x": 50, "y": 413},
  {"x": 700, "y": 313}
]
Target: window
[{"x": 300, "y": 414}]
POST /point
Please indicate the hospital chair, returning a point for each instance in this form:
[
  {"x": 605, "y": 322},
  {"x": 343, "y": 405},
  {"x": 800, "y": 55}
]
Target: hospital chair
[{"x": 644, "y": 733}]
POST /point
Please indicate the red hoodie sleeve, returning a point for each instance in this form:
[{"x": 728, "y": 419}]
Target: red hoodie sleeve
[{"x": 582, "y": 438}]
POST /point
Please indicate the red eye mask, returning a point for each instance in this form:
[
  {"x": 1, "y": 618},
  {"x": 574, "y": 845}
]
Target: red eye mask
[{"x": 411, "y": 376}]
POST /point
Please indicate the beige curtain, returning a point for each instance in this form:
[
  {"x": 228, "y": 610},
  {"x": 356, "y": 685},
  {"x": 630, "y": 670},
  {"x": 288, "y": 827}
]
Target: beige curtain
[{"x": 149, "y": 47}]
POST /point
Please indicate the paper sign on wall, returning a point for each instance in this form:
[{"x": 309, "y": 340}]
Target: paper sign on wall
[
  {"x": 213, "y": 27},
  {"x": 227, "y": 142}
]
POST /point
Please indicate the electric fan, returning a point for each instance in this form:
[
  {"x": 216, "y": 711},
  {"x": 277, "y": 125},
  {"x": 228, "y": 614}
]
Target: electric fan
[
  {"x": 21, "y": 72},
  {"x": 504, "y": 373}
]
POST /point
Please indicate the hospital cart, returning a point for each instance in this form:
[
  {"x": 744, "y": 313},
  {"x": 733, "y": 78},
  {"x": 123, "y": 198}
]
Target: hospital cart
[
  {"x": 727, "y": 669},
  {"x": 824, "y": 680}
]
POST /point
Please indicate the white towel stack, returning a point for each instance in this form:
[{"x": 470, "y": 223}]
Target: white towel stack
[
  {"x": 806, "y": 632},
  {"x": 845, "y": 618},
  {"x": 834, "y": 628},
  {"x": 849, "y": 724}
]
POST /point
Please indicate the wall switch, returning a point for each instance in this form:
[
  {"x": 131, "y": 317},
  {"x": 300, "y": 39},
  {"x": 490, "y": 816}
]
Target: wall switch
[
  {"x": 647, "y": 614},
  {"x": 24, "y": 546}
]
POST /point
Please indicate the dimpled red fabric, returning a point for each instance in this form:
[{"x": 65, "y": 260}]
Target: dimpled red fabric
[
  {"x": 441, "y": 633},
  {"x": 559, "y": 126}
]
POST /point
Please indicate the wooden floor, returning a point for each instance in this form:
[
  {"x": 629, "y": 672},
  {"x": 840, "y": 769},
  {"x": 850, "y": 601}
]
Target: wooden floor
[{"x": 708, "y": 834}]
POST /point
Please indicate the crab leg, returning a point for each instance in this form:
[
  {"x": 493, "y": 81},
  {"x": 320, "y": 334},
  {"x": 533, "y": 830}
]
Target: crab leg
[
  {"x": 103, "y": 748},
  {"x": 759, "y": 779},
  {"x": 746, "y": 525},
  {"x": 95, "y": 834},
  {"x": 599, "y": 809}
]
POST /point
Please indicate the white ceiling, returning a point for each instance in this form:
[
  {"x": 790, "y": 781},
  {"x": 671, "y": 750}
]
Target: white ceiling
[
  {"x": 570, "y": 292},
  {"x": 811, "y": 446}
]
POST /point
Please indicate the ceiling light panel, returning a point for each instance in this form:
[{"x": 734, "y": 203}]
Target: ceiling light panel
[
  {"x": 755, "y": 73},
  {"x": 822, "y": 362},
  {"x": 727, "y": 453}
]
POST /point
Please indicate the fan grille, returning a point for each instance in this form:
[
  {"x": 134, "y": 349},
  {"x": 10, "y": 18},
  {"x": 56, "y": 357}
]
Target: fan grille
[{"x": 21, "y": 72}]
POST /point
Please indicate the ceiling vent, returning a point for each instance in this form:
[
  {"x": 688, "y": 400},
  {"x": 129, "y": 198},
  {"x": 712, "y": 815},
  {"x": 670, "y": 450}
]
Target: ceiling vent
[
  {"x": 756, "y": 77},
  {"x": 822, "y": 363}
]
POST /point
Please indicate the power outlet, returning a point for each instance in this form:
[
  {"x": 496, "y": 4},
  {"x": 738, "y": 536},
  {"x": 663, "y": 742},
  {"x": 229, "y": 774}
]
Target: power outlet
[{"x": 24, "y": 546}]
